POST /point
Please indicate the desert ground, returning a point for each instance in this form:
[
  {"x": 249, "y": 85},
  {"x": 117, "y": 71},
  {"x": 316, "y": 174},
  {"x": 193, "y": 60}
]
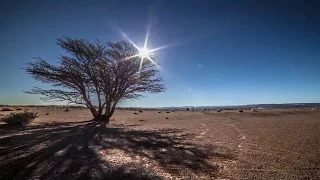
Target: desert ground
[{"x": 159, "y": 144}]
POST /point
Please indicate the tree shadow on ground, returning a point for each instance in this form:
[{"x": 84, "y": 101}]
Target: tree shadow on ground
[{"x": 92, "y": 150}]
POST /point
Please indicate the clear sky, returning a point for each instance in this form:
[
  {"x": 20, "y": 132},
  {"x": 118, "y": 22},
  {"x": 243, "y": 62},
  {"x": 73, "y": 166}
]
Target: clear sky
[{"x": 225, "y": 53}]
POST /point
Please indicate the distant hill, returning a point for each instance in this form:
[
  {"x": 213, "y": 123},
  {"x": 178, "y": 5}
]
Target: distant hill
[{"x": 262, "y": 106}]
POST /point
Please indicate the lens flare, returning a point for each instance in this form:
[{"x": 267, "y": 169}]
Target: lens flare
[{"x": 144, "y": 53}]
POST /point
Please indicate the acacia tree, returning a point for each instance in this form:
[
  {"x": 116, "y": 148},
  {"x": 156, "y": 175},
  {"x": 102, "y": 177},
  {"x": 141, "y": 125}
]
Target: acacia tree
[{"x": 107, "y": 73}]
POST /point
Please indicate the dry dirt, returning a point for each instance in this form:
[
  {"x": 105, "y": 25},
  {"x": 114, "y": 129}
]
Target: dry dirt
[{"x": 269, "y": 144}]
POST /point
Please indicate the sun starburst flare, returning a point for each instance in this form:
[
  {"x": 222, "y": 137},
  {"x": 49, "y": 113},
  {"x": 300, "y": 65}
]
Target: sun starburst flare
[{"x": 143, "y": 52}]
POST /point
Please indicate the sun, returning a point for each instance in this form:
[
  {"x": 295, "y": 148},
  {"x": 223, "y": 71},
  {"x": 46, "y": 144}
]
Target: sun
[{"x": 144, "y": 52}]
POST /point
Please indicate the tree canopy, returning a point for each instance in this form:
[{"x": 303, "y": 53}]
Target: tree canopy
[{"x": 108, "y": 72}]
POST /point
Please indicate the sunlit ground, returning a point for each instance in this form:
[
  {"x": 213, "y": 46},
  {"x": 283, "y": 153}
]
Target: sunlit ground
[{"x": 277, "y": 144}]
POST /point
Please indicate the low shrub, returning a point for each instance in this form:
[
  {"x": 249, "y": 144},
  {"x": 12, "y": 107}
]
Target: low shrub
[
  {"x": 140, "y": 111},
  {"x": 19, "y": 109},
  {"x": 159, "y": 112},
  {"x": 67, "y": 110},
  {"x": 6, "y": 109},
  {"x": 167, "y": 112},
  {"x": 240, "y": 110},
  {"x": 167, "y": 118},
  {"x": 135, "y": 113},
  {"x": 47, "y": 113},
  {"x": 21, "y": 118}
]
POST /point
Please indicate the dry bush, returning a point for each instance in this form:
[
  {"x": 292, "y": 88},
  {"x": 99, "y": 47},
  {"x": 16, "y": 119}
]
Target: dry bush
[
  {"x": 135, "y": 113},
  {"x": 66, "y": 110},
  {"x": 167, "y": 118},
  {"x": 6, "y": 109},
  {"x": 159, "y": 112},
  {"x": 19, "y": 109},
  {"x": 240, "y": 110},
  {"x": 254, "y": 110},
  {"x": 140, "y": 111},
  {"x": 47, "y": 113},
  {"x": 219, "y": 110},
  {"x": 21, "y": 118},
  {"x": 167, "y": 112}
]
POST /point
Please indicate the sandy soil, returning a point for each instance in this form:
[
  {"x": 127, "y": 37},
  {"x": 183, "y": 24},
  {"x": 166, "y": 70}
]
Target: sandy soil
[{"x": 269, "y": 144}]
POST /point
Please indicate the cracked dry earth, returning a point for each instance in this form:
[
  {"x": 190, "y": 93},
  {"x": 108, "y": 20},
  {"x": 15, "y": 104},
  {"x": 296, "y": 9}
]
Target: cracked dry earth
[{"x": 270, "y": 144}]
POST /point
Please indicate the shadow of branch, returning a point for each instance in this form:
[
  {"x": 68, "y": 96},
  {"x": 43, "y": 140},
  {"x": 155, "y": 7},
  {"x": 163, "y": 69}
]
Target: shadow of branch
[{"x": 93, "y": 151}]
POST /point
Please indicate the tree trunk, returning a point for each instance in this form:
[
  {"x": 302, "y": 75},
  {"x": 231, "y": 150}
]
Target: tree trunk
[
  {"x": 110, "y": 110},
  {"x": 93, "y": 111}
]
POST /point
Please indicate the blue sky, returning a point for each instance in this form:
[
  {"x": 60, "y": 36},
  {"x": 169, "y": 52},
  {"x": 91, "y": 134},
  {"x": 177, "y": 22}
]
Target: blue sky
[{"x": 227, "y": 52}]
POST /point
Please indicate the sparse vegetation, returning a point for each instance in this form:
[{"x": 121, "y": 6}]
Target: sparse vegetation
[
  {"x": 140, "y": 111},
  {"x": 135, "y": 113},
  {"x": 240, "y": 110},
  {"x": 66, "y": 110},
  {"x": 20, "y": 118},
  {"x": 168, "y": 112},
  {"x": 6, "y": 109},
  {"x": 19, "y": 109},
  {"x": 47, "y": 113}
]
